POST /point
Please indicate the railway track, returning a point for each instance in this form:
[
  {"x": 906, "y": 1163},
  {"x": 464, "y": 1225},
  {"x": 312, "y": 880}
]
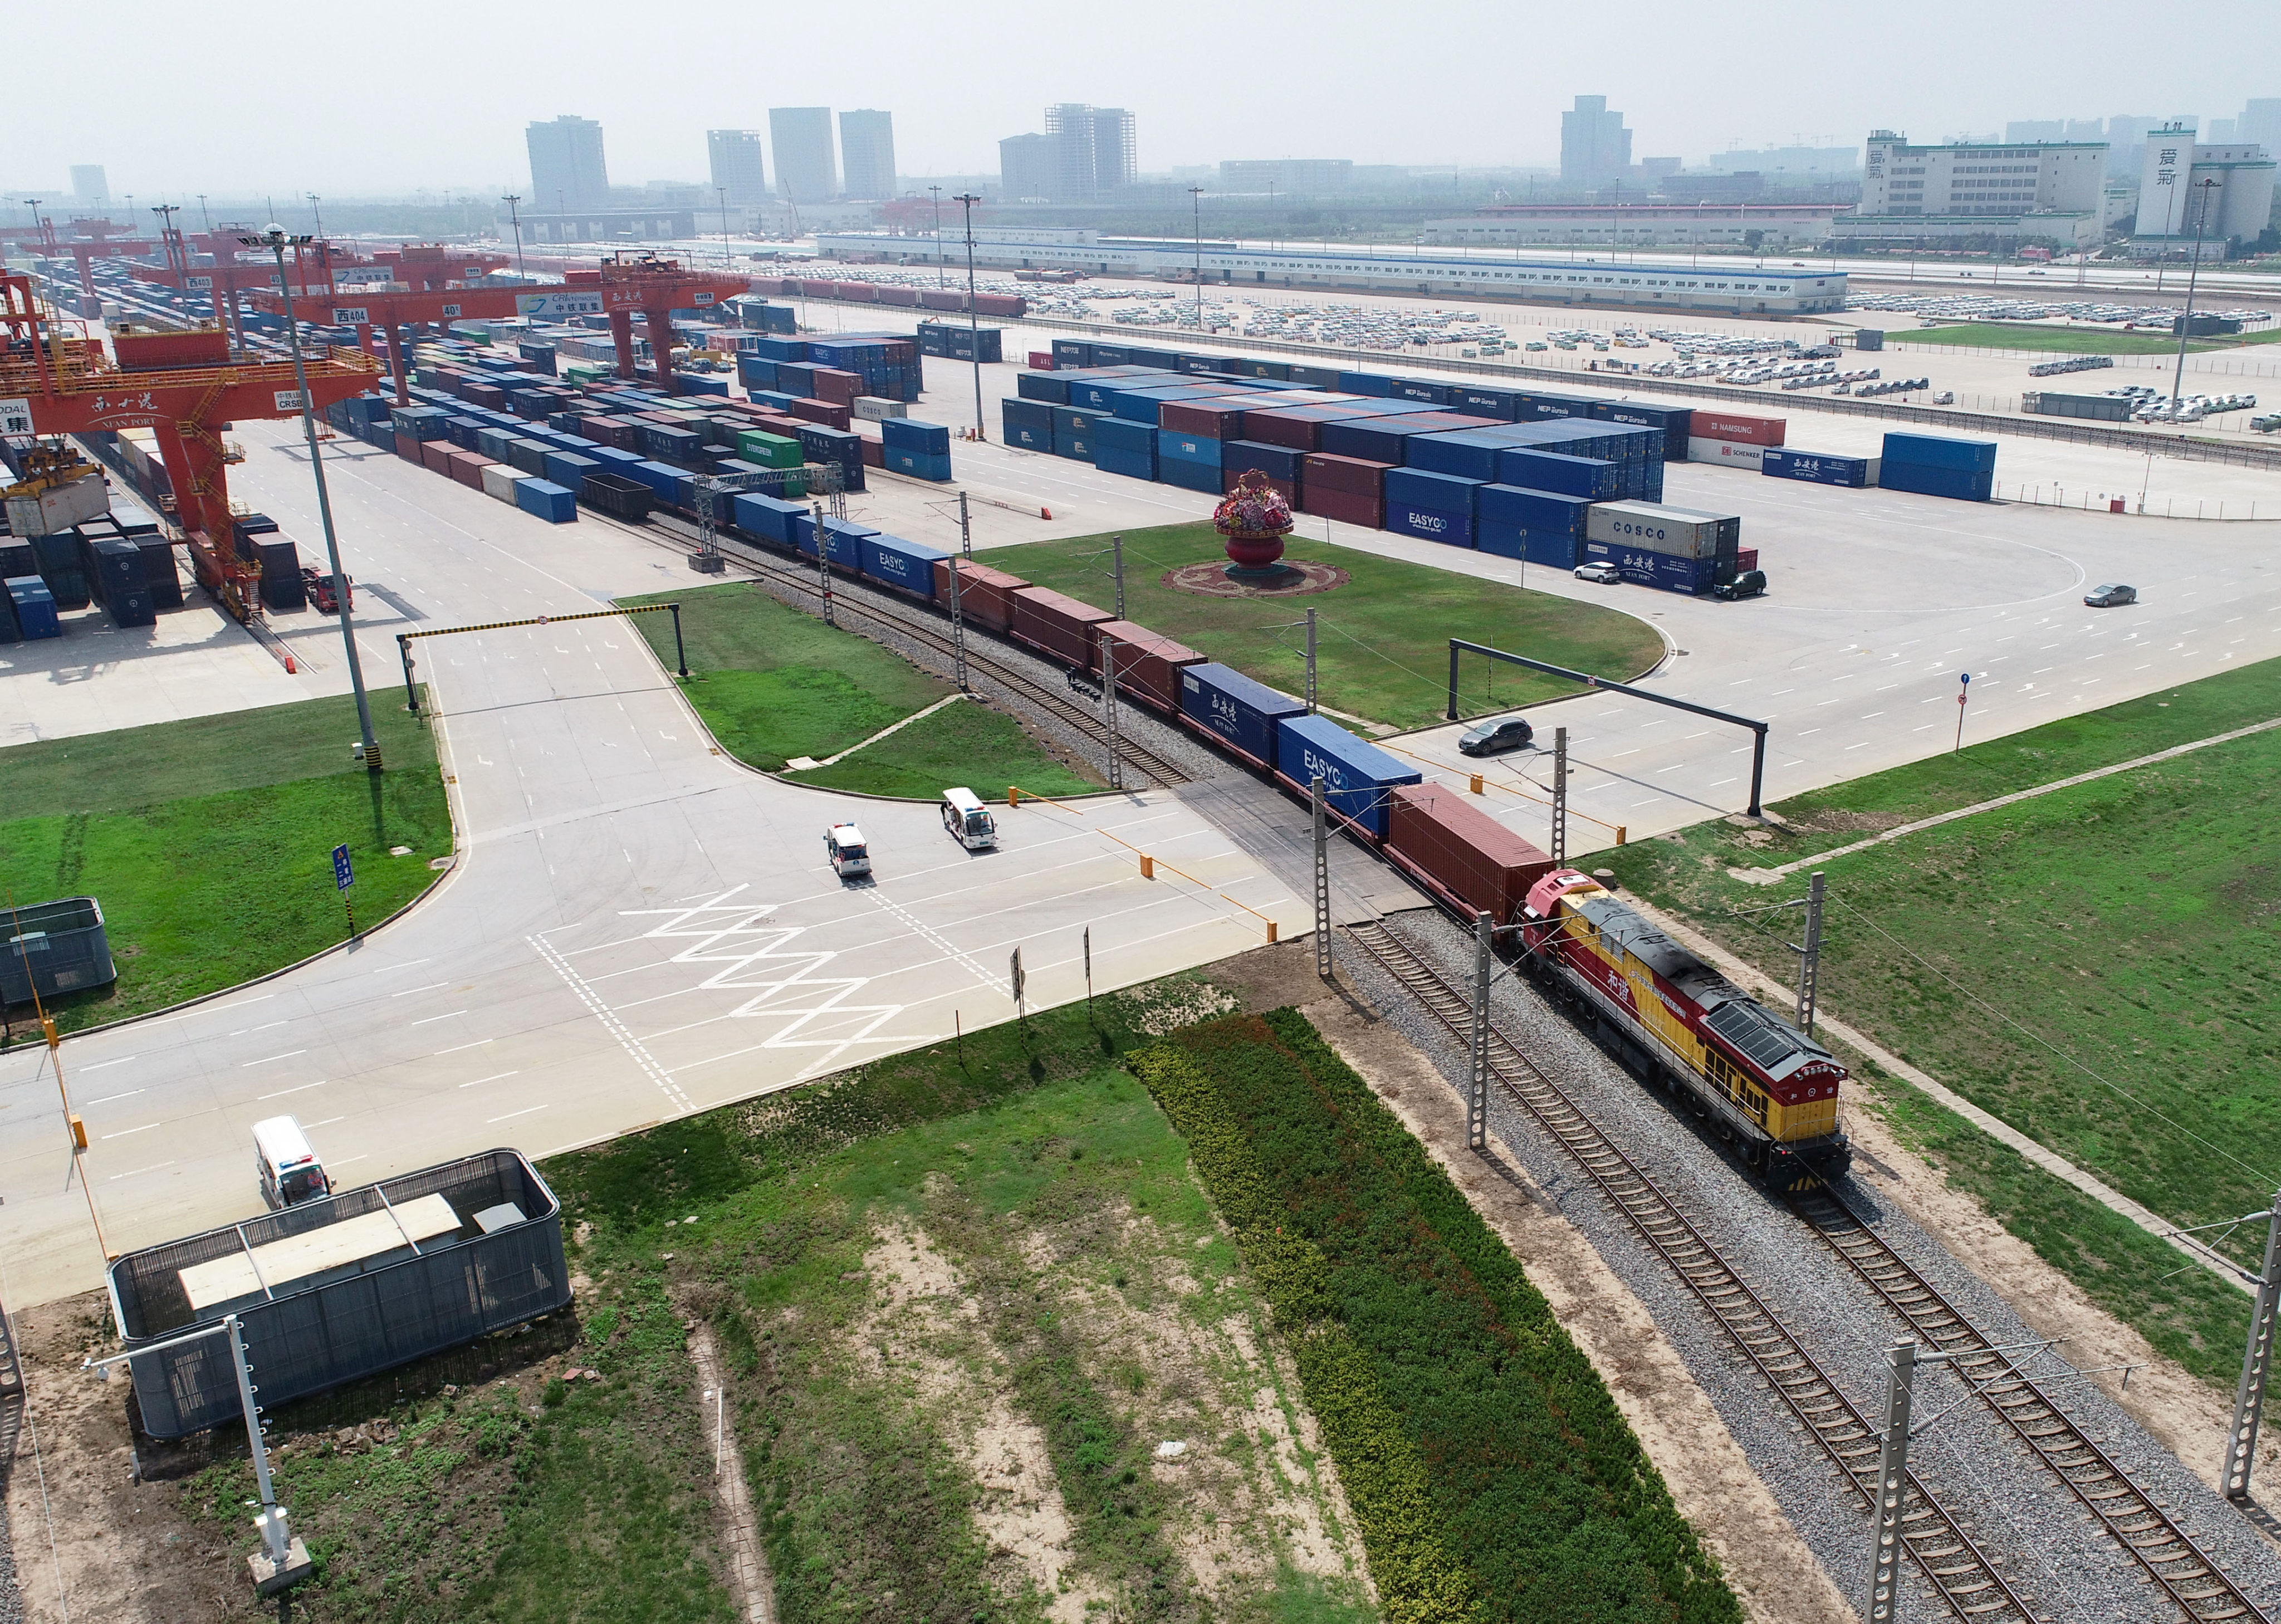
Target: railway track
[
  {"x": 2140, "y": 1526},
  {"x": 1963, "y": 1575},
  {"x": 681, "y": 536}
]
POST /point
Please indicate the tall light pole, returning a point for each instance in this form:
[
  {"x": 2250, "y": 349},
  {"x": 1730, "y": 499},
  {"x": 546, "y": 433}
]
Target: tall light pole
[
  {"x": 2193, "y": 274},
  {"x": 967, "y": 200},
  {"x": 937, "y": 190},
  {"x": 203, "y": 215},
  {"x": 724, "y": 193},
  {"x": 514, "y": 219},
  {"x": 1196, "y": 206},
  {"x": 275, "y": 240}
]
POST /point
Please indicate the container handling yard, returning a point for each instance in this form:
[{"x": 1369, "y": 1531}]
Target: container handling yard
[{"x": 863, "y": 916}]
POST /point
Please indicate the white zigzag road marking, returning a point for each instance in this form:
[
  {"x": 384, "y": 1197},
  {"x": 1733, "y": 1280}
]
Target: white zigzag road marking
[
  {"x": 611, "y": 1023},
  {"x": 737, "y": 937}
]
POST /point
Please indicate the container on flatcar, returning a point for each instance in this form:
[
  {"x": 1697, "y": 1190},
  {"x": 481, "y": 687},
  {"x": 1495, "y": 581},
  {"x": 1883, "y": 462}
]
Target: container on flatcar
[
  {"x": 1148, "y": 663},
  {"x": 1241, "y": 714},
  {"x": 1357, "y": 776},
  {"x": 985, "y": 596},
  {"x": 1059, "y": 624},
  {"x": 1483, "y": 866}
]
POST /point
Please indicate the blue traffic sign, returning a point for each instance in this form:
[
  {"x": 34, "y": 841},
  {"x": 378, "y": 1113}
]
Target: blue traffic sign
[
  {"x": 1965, "y": 678},
  {"x": 344, "y": 876}
]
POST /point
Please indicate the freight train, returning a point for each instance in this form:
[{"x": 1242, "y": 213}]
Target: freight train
[{"x": 1758, "y": 1082}]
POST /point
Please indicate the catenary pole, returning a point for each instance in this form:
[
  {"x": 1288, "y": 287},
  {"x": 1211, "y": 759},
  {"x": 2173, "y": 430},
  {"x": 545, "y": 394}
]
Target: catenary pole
[
  {"x": 1323, "y": 966},
  {"x": 973, "y": 318},
  {"x": 1559, "y": 852},
  {"x": 1477, "y": 1100},
  {"x": 1809, "y": 955},
  {"x": 2256, "y": 1363}
]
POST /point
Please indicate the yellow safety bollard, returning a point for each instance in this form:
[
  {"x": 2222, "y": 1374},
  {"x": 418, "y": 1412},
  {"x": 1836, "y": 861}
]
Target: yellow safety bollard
[
  {"x": 79, "y": 1132},
  {"x": 1013, "y": 796},
  {"x": 1270, "y": 932},
  {"x": 1148, "y": 866},
  {"x": 1477, "y": 784},
  {"x": 1620, "y": 834}
]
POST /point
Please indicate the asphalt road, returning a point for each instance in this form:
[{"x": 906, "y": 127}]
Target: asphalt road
[{"x": 637, "y": 927}]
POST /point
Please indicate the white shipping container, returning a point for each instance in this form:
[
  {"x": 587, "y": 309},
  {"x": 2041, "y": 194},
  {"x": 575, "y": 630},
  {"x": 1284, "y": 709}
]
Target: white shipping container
[
  {"x": 45, "y": 513},
  {"x": 878, "y": 408},
  {"x": 1675, "y": 532},
  {"x": 1731, "y": 452},
  {"x": 501, "y": 478}
]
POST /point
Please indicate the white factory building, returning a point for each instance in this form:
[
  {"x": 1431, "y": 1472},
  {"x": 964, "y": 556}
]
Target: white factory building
[
  {"x": 1639, "y": 225},
  {"x": 2224, "y": 193},
  {"x": 1973, "y": 191}
]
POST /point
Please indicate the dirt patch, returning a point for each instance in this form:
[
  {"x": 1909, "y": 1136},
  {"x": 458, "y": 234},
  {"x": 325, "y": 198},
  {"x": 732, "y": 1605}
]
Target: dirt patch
[
  {"x": 1712, "y": 1483},
  {"x": 745, "y": 1564},
  {"x": 1836, "y": 820}
]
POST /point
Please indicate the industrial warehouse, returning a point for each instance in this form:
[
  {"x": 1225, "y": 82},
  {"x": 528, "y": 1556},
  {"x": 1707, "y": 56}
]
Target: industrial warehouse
[{"x": 982, "y": 876}]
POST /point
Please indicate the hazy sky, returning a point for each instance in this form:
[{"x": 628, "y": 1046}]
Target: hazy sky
[{"x": 256, "y": 97}]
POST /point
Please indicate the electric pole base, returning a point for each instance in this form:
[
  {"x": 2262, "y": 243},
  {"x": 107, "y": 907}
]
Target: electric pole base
[
  {"x": 707, "y": 563},
  {"x": 269, "y": 1576}
]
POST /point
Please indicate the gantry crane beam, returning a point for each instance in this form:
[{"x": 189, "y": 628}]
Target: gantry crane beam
[
  {"x": 60, "y": 385},
  {"x": 624, "y": 286}
]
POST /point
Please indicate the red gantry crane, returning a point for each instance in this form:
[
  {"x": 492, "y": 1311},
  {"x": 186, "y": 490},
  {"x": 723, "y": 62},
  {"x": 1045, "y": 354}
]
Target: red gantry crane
[
  {"x": 186, "y": 385},
  {"x": 625, "y": 285}
]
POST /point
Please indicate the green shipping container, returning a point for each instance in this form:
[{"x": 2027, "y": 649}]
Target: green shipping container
[{"x": 770, "y": 450}]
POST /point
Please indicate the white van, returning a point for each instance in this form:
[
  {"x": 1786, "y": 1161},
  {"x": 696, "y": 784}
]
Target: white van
[
  {"x": 290, "y": 1173},
  {"x": 970, "y": 824},
  {"x": 843, "y": 843}
]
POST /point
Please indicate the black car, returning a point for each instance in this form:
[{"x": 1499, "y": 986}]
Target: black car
[
  {"x": 1750, "y": 584},
  {"x": 2114, "y": 595},
  {"x": 1496, "y": 738}
]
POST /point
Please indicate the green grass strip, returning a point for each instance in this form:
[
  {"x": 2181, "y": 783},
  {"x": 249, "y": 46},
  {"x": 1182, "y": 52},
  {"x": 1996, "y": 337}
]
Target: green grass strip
[{"x": 1420, "y": 1581}]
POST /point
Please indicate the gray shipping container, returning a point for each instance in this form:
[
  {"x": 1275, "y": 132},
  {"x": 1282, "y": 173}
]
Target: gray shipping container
[
  {"x": 501, "y": 1266},
  {"x": 1674, "y": 532},
  {"x": 2098, "y": 408}
]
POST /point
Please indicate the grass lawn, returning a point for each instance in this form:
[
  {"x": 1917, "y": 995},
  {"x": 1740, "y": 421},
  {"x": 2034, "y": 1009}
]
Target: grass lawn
[
  {"x": 2094, "y": 966},
  {"x": 2066, "y": 340},
  {"x": 1382, "y": 643},
  {"x": 209, "y": 843},
  {"x": 774, "y": 683}
]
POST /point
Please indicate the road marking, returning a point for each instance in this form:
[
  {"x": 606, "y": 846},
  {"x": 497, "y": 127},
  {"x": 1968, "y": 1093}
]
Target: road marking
[
  {"x": 1873, "y": 715},
  {"x": 99, "y": 1065},
  {"x": 1715, "y": 783},
  {"x": 344, "y": 1161},
  {"x": 265, "y": 1025},
  {"x": 287, "y": 1055},
  {"x": 1674, "y": 767},
  {"x": 431, "y": 1019},
  {"x": 328, "y": 1122},
  {"x": 1862, "y": 745},
  {"x": 1811, "y": 729},
  {"x": 493, "y": 1078},
  {"x": 611, "y": 1023},
  {"x": 153, "y": 1168},
  {"x": 1778, "y": 693},
  {"x": 430, "y": 988},
  {"x": 511, "y": 1116},
  {"x": 458, "y": 1048},
  {"x": 298, "y": 1088},
  {"x": 123, "y": 1132},
  {"x": 108, "y": 1098}
]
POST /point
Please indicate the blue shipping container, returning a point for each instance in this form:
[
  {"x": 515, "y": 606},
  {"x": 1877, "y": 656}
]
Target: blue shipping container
[
  {"x": 1174, "y": 446},
  {"x": 918, "y": 464},
  {"x": 568, "y": 469},
  {"x": 1469, "y": 453},
  {"x": 1674, "y": 423},
  {"x": 1673, "y": 575},
  {"x": 768, "y": 517},
  {"x": 1139, "y": 463},
  {"x": 910, "y": 434},
  {"x": 1558, "y": 549},
  {"x": 1188, "y": 476},
  {"x": 1431, "y": 506},
  {"x": 1275, "y": 462},
  {"x": 550, "y": 502},
  {"x": 1937, "y": 451},
  {"x": 1782, "y": 462},
  {"x": 1420, "y": 388},
  {"x": 1356, "y": 775},
  {"x": 1550, "y": 511},
  {"x": 1534, "y": 469},
  {"x": 1071, "y": 353},
  {"x": 906, "y": 566},
  {"x": 1371, "y": 383},
  {"x": 36, "y": 608},
  {"x": 1042, "y": 386},
  {"x": 1120, "y": 434},
  {"x": 1957, "y": 484},
  {"x": 1027, "y": 423},
  {"x": 1235, "y": 709}
]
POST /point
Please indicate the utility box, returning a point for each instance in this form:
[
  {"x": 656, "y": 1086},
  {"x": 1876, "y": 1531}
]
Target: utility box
[{"x": 55, "y": 948}]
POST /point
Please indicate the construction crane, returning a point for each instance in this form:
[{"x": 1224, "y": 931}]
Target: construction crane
[
  {"x": 183, "y": 384},
  {"x": 624, "y": 285}
]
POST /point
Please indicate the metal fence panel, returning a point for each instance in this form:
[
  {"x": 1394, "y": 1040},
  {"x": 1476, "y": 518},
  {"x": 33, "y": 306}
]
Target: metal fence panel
[
  {"x": 311, "y": 1337},
  {"x": 55, "y": 948}
]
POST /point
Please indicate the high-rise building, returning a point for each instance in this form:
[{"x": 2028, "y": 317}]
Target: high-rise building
[
  {"x": 1094, "y": 153},
  {"x": 2219, "y": 132},
  {"x": 1026, "y": 166},
  {"x": 2218, "y": 192},
  {"x": 737, "y": 168},
  {"x": 2261, "y": 122},
  {"x": 866, "y": 152},
  {"x": 89, "y": 190},
  {"x": 1595, "y": 146},
  {"x": 2021, "y": 130},
  {"x": 567, "y": 171},
  {"x": 806, "y": 169},
  {"x": 1976, "y": 191}
]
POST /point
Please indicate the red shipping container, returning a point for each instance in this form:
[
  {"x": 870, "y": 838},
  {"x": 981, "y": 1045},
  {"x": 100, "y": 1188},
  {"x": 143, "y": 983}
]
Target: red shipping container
[
  {"x": 1058, "y": 624},
  {"x": 1041, "y": 360},
  {"x": 432, "y": 455},
  {"x": 840, "y": 388},
  {"x": 1346, "y": 507},
  {"x": 1229, "y": 478},
  {"x": 816, "y": 290},
  {"x": 1724, "y": 425},
  {"x": 823, "y": 411},
  {"x": 487, "y": 395},
  {"x": 408, "y": 448},
  {"x": 468, "y": 468},
  {"x": 932, "y": 298},
  {"x": 860, "y": 292},
  {"x": 1000, "y": 304},
  {"x": 985, "y": 596},
  {"x": 1484, "y": 865},
  {"x": 1214, "y": 420},
  {"x": 899, "y": 295},
  {"x": 1353, "y": 475},
  {"x": 875, "y": 455},
  {"x": 1747, "y": 558},
  {"x": 1148, "y": 664},
  {"x": 1278, "y": 427}
]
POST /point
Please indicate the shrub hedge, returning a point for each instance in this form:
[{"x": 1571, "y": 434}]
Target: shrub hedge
[{"x": 1493, "y": 1476}]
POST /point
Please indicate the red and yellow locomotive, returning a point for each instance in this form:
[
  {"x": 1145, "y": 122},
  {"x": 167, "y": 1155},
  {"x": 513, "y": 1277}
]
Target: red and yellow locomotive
[{"x": 1764, "y": 1085}]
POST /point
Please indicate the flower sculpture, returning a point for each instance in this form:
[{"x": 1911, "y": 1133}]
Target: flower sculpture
[{"x": 1255, "y": 518}]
